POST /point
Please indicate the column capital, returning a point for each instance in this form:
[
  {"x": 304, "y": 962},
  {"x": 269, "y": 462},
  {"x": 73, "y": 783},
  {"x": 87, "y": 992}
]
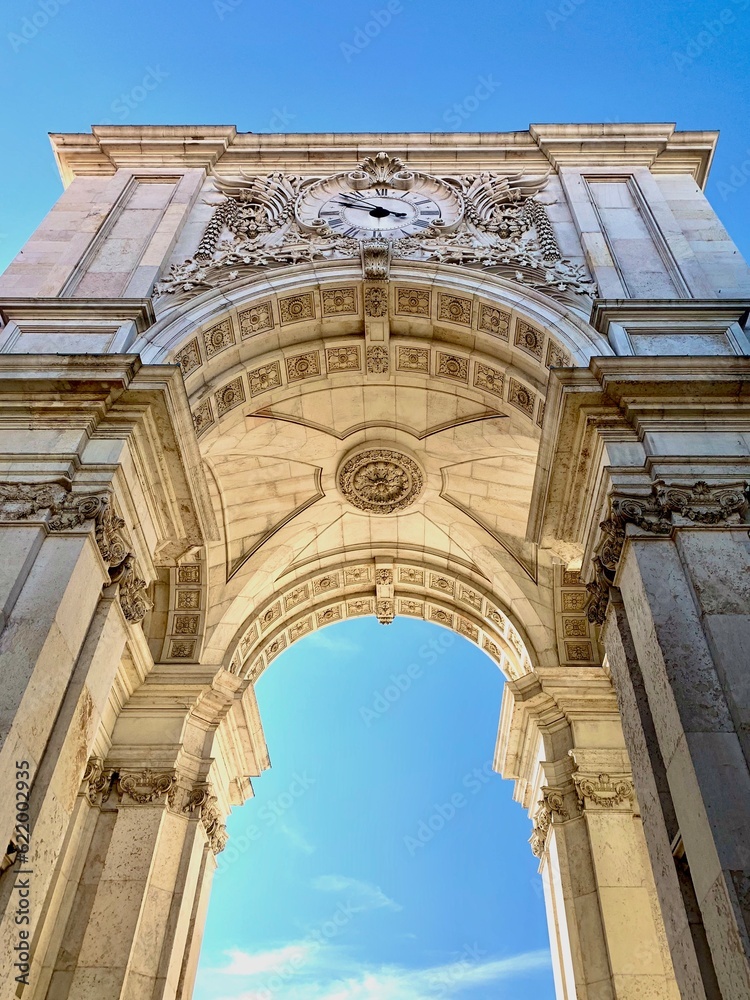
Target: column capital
[
  {"x": 603, "y": 779},
  {"x": 665, "y": 509}
]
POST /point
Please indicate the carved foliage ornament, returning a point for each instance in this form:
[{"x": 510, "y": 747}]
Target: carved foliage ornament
[
  {"x": 203, "y": 801},
  {"x": 145, "y": 787},
  {"x": 702, "y": 503},
  {"x": 551, "y": 804},
  {"x": 380, "y": 480},
  {"x": 62, "y": 510},
  {"x": 604, "y": 790},
  {"x": 378, "y": 211}
]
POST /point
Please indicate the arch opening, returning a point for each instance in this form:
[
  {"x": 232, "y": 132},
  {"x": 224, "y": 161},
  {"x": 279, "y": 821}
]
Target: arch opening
[{"x": 381, "y": 817}]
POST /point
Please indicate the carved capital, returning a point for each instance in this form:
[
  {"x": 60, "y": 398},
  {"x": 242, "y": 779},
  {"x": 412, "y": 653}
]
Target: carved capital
[
  {"x": 96, "y": 779},
  {"x": 61, "y": 508},
  {"x": 701, "y": 504},
  {"x": 606, "y": 791},
  {"x": 132, "y": 589},
  {"x": 550, "y": 807},
  {"x": 204, "y": 802},
  {"x": 146, "y": 786}
]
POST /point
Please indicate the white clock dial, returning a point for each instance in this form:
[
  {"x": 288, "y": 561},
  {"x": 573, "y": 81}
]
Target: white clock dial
[{"x": 380, "y": 211}]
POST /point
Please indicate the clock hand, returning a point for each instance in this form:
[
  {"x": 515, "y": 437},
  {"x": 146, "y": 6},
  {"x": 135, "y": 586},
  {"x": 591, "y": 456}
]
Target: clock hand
[{"x": 377, "y": 210}]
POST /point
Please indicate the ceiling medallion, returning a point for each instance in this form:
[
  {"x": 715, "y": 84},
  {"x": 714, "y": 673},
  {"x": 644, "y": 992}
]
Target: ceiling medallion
[{"x": 380, "y": 480}]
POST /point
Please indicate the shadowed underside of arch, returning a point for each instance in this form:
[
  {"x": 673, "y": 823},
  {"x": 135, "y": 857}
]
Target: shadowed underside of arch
[{"x": 354, "y": 429}]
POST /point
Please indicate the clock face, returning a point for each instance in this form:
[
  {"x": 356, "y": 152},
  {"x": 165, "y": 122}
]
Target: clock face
[{"x": 380, "y": 211}]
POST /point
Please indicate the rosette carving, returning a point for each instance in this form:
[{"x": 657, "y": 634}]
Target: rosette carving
[{"x": 380, "y": 480}]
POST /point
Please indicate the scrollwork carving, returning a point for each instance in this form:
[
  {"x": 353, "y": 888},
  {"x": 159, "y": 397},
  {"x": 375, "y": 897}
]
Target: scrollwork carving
[
  {"x": 95, "y": 778},
  {"x": 146, "y": 786},
  {"x": 604, "y": 790},
  {"x": 550, "y": 806},
  {"x": 702, "y": 503},
  {"x": 202, "y": 800},
  {"x": 502, "y": 225}
]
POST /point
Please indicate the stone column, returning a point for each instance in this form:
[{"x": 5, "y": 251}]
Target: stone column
[
  {"x": 682, "y": 563},
  {"x": 140, "y": 888},
  {"x": 691, "y": 956},
  {"x": 604, "y": 918}
]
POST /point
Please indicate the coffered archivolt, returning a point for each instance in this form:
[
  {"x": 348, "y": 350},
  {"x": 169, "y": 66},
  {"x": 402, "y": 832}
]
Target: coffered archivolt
[{"x": 453, "y": 597}]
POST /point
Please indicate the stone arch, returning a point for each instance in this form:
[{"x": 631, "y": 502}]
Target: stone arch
[
  {"x": 265, "y": 352},
  {"x": 450, "y": 597}
]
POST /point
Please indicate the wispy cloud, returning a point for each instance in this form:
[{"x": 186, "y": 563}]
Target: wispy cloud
[
  {"x": 331, "y": 642},
  {"x": 243, "y": 963},
  {"x": 362, "y": 895},
  {"x": 319, "y": 975},
  {"x": 296, "y": 838}
]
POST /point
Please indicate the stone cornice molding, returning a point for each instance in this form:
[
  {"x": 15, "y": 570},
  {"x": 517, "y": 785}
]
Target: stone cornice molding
[
  {"x": 179, "y": 147},
  {"x": 621, "y": 400},
  {"x": 654, "y": 145},
  {"x": 85, "y": 311},
  {"x": 108, "y": 148},
  {"x": 117, "y": 396}
]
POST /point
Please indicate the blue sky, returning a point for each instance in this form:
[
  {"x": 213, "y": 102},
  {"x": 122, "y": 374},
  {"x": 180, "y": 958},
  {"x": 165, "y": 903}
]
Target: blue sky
[
  {"x": 329, "y": 888},
  {"x": 302, "y": 66},
  {"x": 382, "y": 858}
]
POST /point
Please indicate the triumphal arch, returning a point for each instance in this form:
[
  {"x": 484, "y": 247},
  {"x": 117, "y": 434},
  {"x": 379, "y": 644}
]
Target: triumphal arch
[{"x": 251, "y": 385}]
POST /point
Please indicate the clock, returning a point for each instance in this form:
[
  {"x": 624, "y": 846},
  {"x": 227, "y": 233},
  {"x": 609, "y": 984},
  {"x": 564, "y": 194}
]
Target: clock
[{"x": 406, "y": 205}]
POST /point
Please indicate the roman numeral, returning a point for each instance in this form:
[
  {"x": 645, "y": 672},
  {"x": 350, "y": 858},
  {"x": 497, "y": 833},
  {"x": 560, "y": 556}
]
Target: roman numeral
[
  {"x": 336, "y": 223},
  {"x": 422, "y": 201},
  {"x": 350, "y": 231},
  {"x": 430, "y": 211},
  {"x": 420, "y": 223},
  {"x": 334, "y": 212},
  {"x": 383, "y": 192}
]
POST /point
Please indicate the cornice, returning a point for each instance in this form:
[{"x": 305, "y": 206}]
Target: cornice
[
  {"x": 657, "y": 146},
  {"x": 110, "y": 147},
  {"x": 138, "y": 311},
  {"x": 717, "y": 313}
]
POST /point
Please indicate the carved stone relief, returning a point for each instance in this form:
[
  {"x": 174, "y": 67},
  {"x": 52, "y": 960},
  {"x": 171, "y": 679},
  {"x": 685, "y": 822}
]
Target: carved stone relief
[
  {"x": 380, "y": 480},
  {"x": 497, "y": 221},
  {"x": 703, "y": 504}
]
